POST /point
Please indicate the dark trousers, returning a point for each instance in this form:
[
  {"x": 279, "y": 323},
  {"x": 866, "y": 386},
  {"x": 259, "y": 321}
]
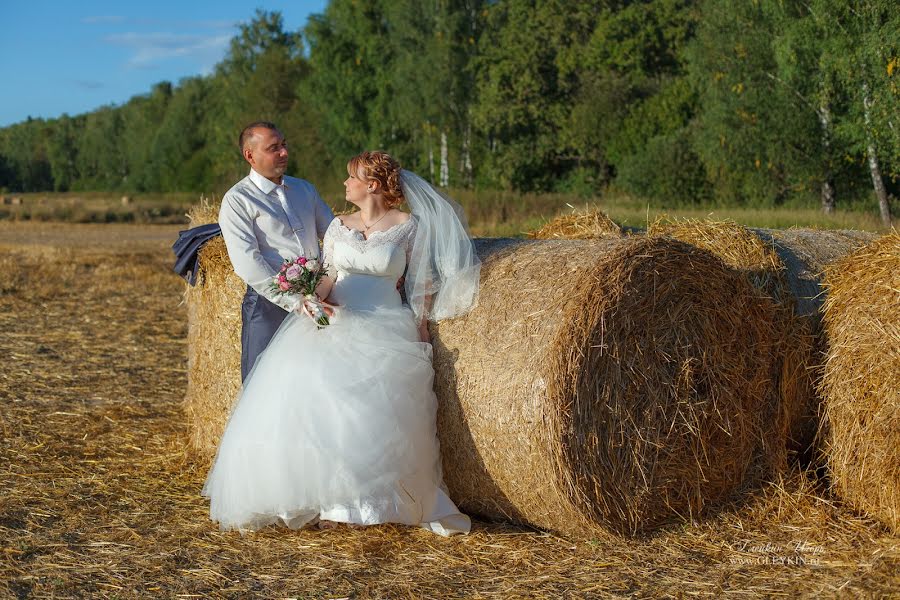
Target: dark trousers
[{"x": 260, "y": 320}]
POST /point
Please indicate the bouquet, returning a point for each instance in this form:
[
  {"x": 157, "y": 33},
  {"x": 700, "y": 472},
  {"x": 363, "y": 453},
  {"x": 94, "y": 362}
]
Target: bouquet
[{"x": 301, "y": 276}]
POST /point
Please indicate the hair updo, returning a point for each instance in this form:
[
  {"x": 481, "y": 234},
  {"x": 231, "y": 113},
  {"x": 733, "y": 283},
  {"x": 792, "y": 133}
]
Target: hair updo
[{"x": 381, "y": 167}]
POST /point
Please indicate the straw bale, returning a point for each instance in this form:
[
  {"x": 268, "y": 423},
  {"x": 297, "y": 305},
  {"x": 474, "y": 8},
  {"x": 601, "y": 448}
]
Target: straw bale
[
  {"x": 579, "y": 225},
  {"x": 860, "y": 390},
  {"x": 791, "y": 388},
  {"x": 214, "y": 346},
  {"x": 214, "y": 338},
  {"x": 786, "y": 265},
  {"x": 603, "y": 385}
]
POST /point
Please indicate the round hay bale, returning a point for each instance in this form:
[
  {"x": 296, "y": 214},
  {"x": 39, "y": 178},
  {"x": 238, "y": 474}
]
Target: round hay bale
[
  {"x": 786, "y": 265},
  {"x": 601, "y": 385},
  {"x": 580, "y": 225},
  {"x": 756, "y": 260},
  {"x": 861, "y": 383}
]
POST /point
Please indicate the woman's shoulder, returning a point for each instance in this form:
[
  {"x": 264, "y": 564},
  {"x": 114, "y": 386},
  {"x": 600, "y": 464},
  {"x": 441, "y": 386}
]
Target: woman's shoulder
[{"x": 401, "y": 217}]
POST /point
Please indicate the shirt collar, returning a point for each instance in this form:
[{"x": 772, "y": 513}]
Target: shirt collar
[{"x": 265, "y": 185}]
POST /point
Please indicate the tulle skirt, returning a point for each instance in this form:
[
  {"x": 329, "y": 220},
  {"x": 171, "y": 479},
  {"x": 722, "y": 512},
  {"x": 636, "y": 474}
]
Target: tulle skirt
[{"x": 335, "y": 424}]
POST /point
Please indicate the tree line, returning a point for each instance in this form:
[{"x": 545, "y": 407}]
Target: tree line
[{"x": 757, "y": 103}]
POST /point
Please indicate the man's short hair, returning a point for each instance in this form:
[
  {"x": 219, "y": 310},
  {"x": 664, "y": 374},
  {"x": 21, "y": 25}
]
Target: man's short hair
[{"x": 247, "y": 131}]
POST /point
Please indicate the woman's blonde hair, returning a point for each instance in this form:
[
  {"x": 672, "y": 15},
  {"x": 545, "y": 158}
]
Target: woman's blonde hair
[{"x": 381, "y": 167}]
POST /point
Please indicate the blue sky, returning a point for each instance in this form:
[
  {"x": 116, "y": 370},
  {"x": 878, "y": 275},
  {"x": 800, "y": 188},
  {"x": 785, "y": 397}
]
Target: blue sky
[{"x": 73, "y": 56}]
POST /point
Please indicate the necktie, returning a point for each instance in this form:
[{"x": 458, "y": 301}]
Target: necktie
[{"x": 296, "y": 226}]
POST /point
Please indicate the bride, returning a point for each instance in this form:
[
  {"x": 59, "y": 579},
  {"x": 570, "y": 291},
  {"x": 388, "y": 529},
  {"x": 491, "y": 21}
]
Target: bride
[{"x": 338, "y": 424}]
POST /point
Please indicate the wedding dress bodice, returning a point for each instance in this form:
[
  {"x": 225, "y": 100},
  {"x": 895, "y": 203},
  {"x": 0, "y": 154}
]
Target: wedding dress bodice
[{"x": 366, "y": 270}]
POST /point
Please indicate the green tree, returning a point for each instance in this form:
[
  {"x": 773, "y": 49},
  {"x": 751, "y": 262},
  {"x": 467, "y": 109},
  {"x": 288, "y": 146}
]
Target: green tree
[
  {"x": 179, "y": 152},
  {"x": 758, "y": 129},
  {"x": 62, "y": 150},
  {"x": 524, "y": 93},
  {"x": 862, "y": 55},
  {"x": 635, "y": 103}
]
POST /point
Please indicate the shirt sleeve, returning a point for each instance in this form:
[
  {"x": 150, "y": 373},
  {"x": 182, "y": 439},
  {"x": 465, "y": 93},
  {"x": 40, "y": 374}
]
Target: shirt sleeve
[{"x": 236, "y": 222}]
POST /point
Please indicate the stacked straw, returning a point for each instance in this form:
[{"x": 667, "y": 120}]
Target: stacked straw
[
  {"x": 579, "y": 225},
  {"x": 614, "y": 384},
  {"x": 861, "y": 383}
]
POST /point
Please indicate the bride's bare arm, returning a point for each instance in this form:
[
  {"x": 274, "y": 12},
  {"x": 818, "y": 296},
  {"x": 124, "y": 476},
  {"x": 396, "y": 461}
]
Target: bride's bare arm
[{"x": 323, "y": 290}]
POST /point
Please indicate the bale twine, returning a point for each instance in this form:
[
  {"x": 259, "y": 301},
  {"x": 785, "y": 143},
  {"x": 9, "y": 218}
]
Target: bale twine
[
  {"x": 861, "y": 383},
  {"x": 786, "y": 265},
  {"x": 600, "y": 385},
  {"x": 579, "y": 225}
]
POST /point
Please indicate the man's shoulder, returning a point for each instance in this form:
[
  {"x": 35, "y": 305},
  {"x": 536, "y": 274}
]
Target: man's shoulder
[
  {"x": 300, "y": 184},
  {"x": 244, "y": 187}
]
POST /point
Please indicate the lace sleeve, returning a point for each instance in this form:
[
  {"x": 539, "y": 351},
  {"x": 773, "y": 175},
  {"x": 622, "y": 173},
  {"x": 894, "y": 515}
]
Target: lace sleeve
[
  {"x": 328, "y": 249},
  {"x": 410, "y": 238}
]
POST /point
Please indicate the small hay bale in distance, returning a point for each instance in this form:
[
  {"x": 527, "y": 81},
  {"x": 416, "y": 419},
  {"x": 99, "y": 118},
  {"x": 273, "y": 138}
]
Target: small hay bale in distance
[
  {"x": 861, "y": 384},
  {"x": 579, "y": 225},
  {"x": 604, "y": 385}
]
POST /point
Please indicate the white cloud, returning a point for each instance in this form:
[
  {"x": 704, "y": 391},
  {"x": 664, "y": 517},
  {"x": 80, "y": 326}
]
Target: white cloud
[{"x": 151, "y": 48}]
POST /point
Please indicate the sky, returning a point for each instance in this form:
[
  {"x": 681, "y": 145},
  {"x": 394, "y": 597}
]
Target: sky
[{"x": 71, "y": 56}]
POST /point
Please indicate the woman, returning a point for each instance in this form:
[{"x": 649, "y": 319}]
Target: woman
[{"x": 338, "y": 424}]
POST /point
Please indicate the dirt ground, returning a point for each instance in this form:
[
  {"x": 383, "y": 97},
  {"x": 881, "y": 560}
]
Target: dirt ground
[{"x": 101, "y": 498}]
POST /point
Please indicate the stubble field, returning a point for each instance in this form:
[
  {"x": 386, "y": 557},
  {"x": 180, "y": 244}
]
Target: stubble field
[{"x": 100, "y": 495}]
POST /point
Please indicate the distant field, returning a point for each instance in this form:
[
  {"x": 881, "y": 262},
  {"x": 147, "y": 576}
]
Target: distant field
[{"x": 490, "y": 214}]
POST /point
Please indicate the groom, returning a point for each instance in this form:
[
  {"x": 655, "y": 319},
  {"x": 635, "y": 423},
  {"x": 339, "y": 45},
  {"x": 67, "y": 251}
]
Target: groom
[{"x": 265, "y": 218}]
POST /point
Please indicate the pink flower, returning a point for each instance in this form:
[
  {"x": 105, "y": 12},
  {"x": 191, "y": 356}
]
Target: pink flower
[
  {"x": 281, "y": 279},
  {"x": 301, "y": 261},
  {"x": 298, "y": 260},
  {"x": 294, "y": 272},
  {"x": 285, "y": 286}
]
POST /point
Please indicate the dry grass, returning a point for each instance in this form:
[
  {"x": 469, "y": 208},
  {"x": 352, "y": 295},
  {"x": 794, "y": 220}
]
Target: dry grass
[
  {"x": 861, "y": 384},
  {"x": 100, "y": 499}
]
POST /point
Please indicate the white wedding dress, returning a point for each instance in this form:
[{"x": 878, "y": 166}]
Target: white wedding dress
[{"x": 338, "y": 423}]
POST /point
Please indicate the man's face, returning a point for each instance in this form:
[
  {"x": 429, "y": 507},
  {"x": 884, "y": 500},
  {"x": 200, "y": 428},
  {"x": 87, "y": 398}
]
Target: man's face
[{"x": 266, "y": 151}]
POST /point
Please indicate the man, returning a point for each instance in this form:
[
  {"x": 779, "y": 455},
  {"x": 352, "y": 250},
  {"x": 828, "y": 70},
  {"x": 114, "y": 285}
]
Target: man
[{"x": 265, "y": 218}]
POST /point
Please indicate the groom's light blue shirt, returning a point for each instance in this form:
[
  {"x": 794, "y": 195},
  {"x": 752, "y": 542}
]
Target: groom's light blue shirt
[{"x": 264, "y": 223}]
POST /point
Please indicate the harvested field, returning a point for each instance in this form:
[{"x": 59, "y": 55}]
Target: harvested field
[{"x": 101, "y": 499}]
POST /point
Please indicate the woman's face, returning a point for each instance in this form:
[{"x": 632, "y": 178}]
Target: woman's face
[{"x": 356, "y": 187}]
